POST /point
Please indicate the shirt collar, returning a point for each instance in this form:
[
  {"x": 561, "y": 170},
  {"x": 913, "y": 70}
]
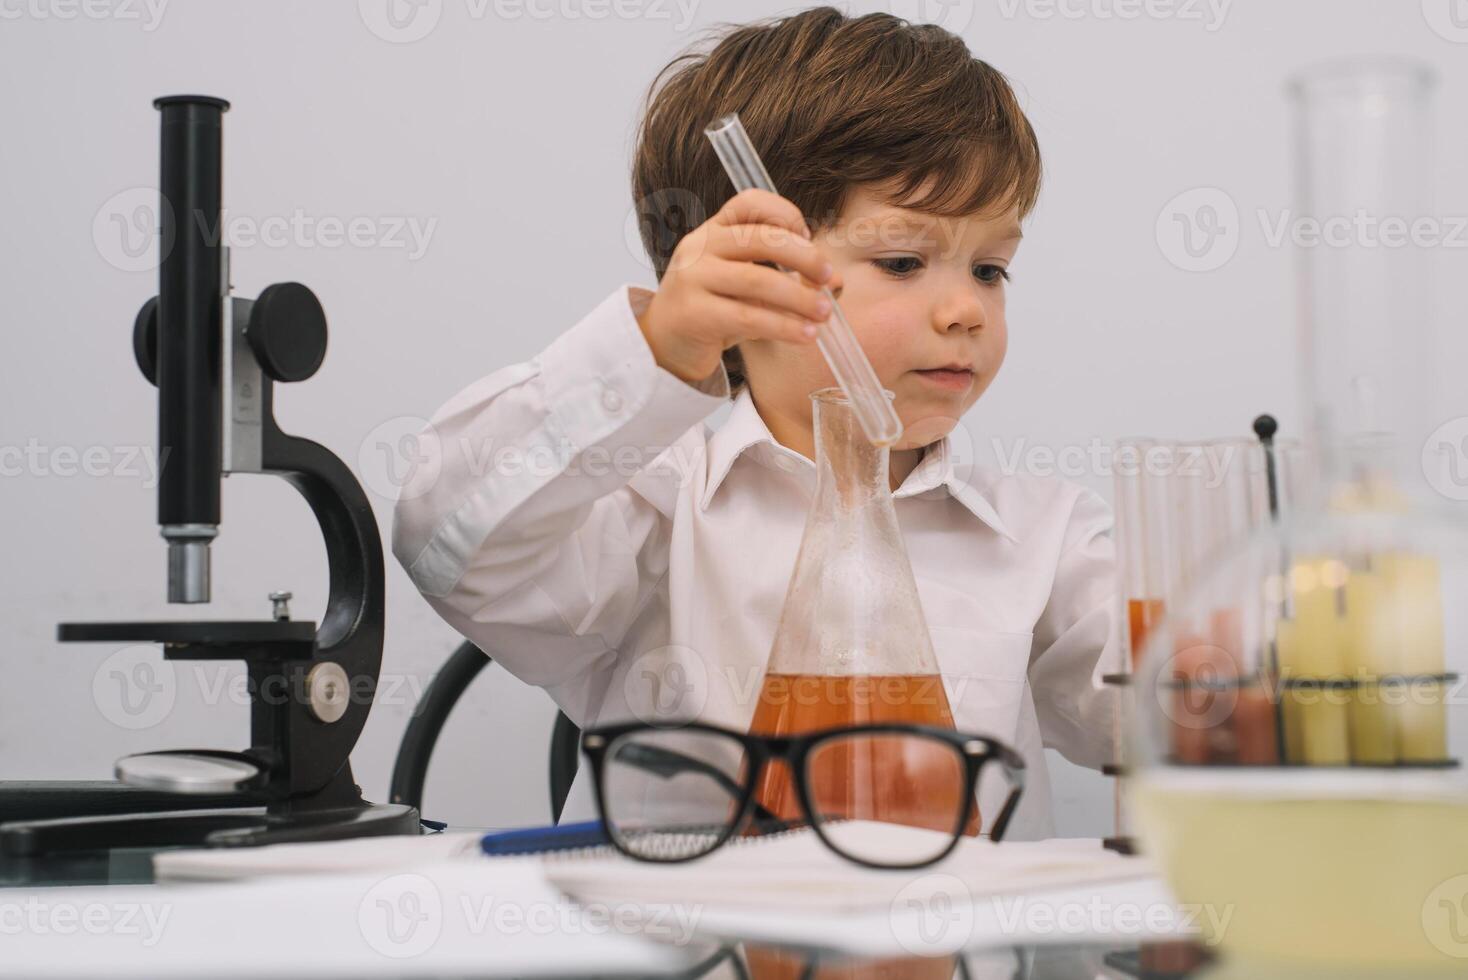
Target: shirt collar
[{"x": 744, "y": 430}]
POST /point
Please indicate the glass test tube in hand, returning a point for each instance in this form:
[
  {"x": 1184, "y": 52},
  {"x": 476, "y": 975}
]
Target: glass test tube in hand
[{"x": 836, "y": 341}]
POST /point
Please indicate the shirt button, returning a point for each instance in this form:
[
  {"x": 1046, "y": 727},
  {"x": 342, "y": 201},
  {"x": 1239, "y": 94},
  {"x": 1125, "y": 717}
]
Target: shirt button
[{"x": 611, "y": 400}]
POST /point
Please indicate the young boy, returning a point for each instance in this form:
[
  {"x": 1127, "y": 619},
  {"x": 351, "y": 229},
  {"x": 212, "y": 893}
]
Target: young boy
[{"x": 633, "y": 563}]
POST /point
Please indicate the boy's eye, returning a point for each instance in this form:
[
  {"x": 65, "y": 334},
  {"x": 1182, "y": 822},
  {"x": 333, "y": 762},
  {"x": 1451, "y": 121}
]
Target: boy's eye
[
  {"x": 905, "y": 265},
  {"x": 899, "y": 265},
  {"x": 991, "y": 274}
]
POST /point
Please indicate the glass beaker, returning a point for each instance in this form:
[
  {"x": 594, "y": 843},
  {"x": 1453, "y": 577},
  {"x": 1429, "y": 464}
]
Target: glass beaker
[
  {"x": 852, "y": 647},
  {"x": 1359, "y": 818}
]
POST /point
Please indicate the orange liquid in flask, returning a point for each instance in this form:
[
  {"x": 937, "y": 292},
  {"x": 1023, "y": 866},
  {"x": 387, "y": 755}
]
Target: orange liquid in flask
[{"x": 886, "y": 778}]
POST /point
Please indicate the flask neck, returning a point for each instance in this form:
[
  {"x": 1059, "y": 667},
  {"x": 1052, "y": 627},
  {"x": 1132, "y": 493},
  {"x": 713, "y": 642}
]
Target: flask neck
[
  {"x": 852, "y": 606},
  {"x": 851, "y": 472}
]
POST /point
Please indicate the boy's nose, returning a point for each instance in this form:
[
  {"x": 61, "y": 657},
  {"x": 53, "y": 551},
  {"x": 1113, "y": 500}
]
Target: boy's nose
[{"x": 960, "y": 312}]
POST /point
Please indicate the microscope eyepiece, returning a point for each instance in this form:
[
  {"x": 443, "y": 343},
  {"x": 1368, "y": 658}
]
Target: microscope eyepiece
[{"x": 204, "y": 101}]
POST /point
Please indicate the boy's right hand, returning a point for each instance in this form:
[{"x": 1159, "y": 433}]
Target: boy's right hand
[{"x": 714, "y": 295}]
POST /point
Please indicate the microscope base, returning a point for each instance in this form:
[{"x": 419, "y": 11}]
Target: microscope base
[
  {"x": 336, "y": 811},
  {"x": 46, "y": 799},
  {"x": 240, "y": 827}
]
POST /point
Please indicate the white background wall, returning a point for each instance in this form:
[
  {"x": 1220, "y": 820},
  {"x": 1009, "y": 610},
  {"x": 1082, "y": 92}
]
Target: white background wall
[{"x": 508, "y": 127}]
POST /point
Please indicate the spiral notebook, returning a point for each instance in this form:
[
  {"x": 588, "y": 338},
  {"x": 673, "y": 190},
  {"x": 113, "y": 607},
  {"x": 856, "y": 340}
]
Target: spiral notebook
[{"x": 790, "y": 889}]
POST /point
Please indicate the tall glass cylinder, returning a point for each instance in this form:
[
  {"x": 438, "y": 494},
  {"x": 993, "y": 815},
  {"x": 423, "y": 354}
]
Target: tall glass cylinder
[
  {"x": 1364, "y": 232},
  {"x": 1140, "y": 470},
  {"x": 1141, "y": 533},
  {"x": 1219, "y": 650}
]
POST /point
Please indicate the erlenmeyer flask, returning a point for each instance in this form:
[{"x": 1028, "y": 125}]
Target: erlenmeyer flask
[{"x": 852, "y": 648}]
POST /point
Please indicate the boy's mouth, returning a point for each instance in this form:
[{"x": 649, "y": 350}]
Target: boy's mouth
[{"x": 951, "y": 377}]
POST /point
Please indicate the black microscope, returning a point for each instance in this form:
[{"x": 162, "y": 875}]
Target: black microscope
[{"x": 215, "y": 359}]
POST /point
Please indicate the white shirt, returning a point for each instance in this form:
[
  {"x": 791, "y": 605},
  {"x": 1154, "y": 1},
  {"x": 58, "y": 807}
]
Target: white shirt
[{"x": 576, "y": 518}]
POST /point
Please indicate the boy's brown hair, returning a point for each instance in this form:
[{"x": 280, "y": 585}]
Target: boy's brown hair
[{"x": 832, "y": 101}]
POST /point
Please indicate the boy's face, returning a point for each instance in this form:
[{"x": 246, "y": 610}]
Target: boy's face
[{"x": 924, "y": 294}]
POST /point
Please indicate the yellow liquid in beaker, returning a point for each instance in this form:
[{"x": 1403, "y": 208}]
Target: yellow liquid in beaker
[{"x": 1364, "y": 880}]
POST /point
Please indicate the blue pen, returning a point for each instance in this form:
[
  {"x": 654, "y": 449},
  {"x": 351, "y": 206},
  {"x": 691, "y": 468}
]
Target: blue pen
[{"x": 537, "y": 840}]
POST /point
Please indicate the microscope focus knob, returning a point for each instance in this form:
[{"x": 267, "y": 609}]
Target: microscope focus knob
[
  {"x": 287, "y": 331},
  {"x": 145, "y": 340}
]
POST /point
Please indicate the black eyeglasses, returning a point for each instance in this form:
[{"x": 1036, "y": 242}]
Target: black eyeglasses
[{"x": 673, "y": 793}]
